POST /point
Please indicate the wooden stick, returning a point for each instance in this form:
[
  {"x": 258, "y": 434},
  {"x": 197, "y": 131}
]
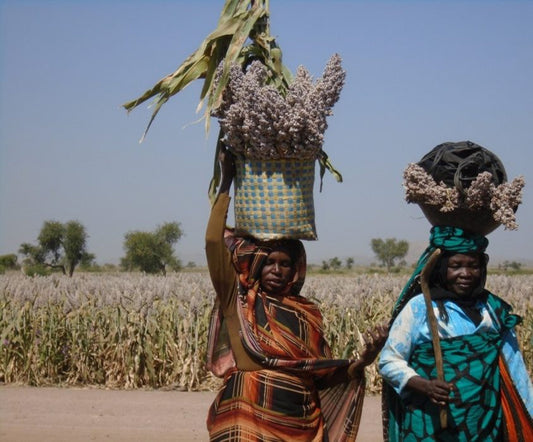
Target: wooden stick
[{"x": 433, "y": 328}]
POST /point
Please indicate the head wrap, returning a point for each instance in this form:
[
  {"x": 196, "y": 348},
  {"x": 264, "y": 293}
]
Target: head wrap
[
  {"x": 448, "y": 239},
  {"x": 440, "y": 292},
  {"x": 439, "y": 276},
  {"x": 249, "y": 257}
]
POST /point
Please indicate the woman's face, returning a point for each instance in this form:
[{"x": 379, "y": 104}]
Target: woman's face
[
  {"x": 277, "y": 272},
  {"x": 463, "y": 274}
]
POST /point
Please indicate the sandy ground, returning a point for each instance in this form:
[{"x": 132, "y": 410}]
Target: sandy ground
[{"x": 68, "y": 414}]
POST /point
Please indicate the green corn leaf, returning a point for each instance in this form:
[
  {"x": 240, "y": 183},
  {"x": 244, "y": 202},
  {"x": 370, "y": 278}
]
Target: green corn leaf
[
  {"x": 240, "y": 21},
  {"x": 325, "y": 163},
  {"x": 235, "y": 25}
]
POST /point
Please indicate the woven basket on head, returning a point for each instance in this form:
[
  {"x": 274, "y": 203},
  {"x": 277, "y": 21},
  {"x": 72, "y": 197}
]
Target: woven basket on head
[{"x": 274, "y": 199}]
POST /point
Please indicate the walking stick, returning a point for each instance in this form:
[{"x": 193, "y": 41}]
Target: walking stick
[{"x": 432, "y": 321}]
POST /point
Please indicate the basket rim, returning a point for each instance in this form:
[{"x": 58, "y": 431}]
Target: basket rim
[{"x": 479, "y": 221}]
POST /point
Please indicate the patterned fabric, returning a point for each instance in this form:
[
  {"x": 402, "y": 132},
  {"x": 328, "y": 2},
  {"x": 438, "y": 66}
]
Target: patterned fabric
[
  {"x": 285, "y": 335},
  {"x": 471, "y": 362},
  {"x": 518, "y": 423},
  {"x": 266, "y": 405},
  {"x": 220, "y": 358}
]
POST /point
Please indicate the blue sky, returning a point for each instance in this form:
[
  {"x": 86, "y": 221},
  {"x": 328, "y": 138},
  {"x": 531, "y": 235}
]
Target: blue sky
[{"x": 418, "y": 73}]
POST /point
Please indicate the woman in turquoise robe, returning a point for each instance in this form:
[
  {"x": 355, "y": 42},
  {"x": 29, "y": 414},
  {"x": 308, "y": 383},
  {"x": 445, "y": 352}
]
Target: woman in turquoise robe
[{"x": 486, "y": 392}]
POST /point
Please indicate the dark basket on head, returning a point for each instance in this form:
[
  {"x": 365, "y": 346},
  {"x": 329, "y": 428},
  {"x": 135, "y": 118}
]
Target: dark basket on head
[
  {"x": 457, "y": 165},
  {"x": 480, "y": 222}
]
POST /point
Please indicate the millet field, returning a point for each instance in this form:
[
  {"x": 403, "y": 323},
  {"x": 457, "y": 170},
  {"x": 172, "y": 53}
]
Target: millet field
[{"x": 127, "y": 330}]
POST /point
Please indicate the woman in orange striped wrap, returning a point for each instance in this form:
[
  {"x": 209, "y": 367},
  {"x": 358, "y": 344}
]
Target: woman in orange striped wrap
[{"x": 267, "y": 342}]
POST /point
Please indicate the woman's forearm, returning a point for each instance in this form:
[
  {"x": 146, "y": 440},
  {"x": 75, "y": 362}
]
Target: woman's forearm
[{"x": 218, "y": 256}]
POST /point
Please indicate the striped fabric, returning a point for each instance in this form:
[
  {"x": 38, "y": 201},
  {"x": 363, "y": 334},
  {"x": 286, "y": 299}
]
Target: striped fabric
[
  {"x": 517, "y": 423},
  {"x": 270, "y": 405},
  {"x": 284, "y": 334}
]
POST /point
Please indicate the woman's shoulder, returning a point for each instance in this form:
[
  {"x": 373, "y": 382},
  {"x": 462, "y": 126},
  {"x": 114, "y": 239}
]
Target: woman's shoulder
[
  {"x": 415, "y": 306},
  {"x": 503, "y": 311},
  {"x": 411, "y": 317},
  {"x": 417, "y": 301},
  {"x": 495, "y": 301}
]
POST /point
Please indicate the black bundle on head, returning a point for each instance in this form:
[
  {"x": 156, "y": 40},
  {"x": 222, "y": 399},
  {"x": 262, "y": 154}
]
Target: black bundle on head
[{"x": 458, "y": 164}]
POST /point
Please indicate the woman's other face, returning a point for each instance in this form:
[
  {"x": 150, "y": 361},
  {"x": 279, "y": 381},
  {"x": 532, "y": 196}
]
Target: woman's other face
[
  {"x": 277, "y": 272},
  {"x": 463, "y": 274}
]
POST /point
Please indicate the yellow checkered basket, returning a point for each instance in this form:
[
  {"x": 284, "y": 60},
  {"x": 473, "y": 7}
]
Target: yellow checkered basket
[{"x": 274, "y": 199}]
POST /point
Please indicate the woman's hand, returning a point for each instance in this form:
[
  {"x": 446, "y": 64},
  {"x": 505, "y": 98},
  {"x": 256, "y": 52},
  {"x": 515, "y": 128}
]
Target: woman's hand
[
  {"x": 437, "y": 391},
  {"x": 374, "y": 342}
]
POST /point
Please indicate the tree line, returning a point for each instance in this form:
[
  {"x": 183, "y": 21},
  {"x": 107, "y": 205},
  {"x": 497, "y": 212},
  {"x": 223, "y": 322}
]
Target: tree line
[
  {"x": 390, "y": 253},
  {"x": 63, "y": 247}
]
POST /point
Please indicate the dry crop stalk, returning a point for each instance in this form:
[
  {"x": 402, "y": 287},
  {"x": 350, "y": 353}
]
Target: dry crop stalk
[{"x": 86, "y": 318}]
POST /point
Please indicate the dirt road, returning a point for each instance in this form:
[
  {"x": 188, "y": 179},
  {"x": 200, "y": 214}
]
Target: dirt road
[{"x": 68, "y": 414}]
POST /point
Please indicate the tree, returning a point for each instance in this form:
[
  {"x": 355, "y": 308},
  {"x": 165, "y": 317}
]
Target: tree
[
  {"x": 8, "y": 262},
  {"x": 88, "y": 262},
  {"x": 74, "y": 245},
  {"x": 335, "y": 263},
  {"x": 389, "y": 250},
  {"x": 152, "y": 252},
  {"x": 332, "y": 264},
  {"x": 515, "y": 265},
  {"x": 50, "y": 240},
  {"x": 33, "y": 262},
  {"x": 59, "y": 246},
  {"x": 349, "y": 263},
  {"x": 510, "y": 265}
]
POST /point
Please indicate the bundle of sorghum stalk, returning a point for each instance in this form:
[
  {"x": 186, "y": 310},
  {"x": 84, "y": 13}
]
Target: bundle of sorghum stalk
[
  {"x": 469, "y": 178},
  {"x": 260, "y": 123}
]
